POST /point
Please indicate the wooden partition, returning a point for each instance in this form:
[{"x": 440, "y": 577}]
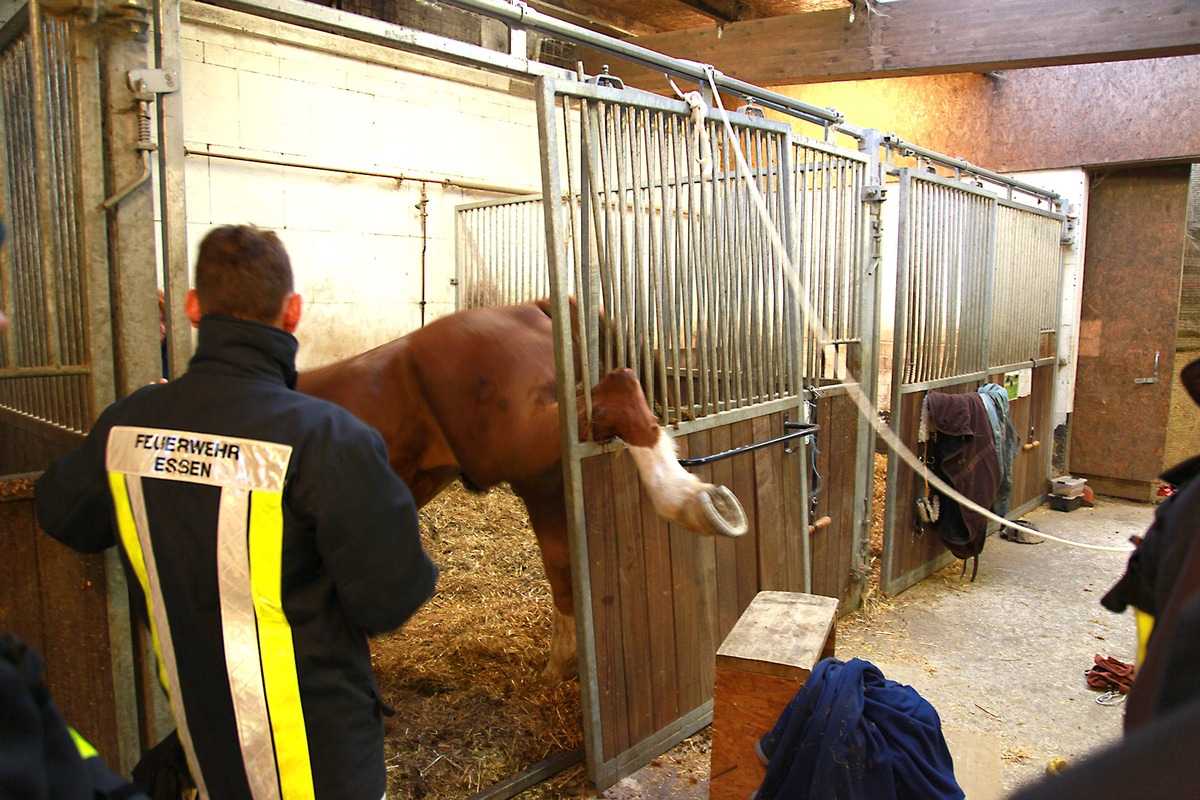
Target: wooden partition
[{"x": 56, "y": 600}]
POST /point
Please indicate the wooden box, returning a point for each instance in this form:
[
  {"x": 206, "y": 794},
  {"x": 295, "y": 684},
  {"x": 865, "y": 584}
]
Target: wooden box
[{"x": 761, "y": 664}]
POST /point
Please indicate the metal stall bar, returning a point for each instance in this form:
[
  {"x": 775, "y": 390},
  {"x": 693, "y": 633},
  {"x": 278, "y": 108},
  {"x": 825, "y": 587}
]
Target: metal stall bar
[
  {"x": 1028, "y": 261},
  {"x": 977, "y": 293},
  {"x": 945, "y": 264},
  {"x": 45, "y": 366},
  {"x": 56, "y": 369},
  {"x": 644, "y": 188},
  {"x": 965, "y": 169},
  {"x": 499, "y": 255}
]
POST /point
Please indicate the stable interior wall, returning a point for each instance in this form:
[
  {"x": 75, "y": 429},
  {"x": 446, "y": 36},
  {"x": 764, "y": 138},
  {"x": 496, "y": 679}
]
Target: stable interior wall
[
  {"x": 1031, "y": 119},
  {"x": 356, "y": 154}
]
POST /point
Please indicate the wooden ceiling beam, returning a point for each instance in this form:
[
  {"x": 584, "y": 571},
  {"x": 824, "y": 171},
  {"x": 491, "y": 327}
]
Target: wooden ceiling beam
[
  {"x": 925, "y": 37},
  {"x": 593, "y": 16},
  {"x": 723, "y": 11}
]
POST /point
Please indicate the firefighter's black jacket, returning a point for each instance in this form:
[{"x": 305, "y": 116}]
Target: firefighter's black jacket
[{"x": 349, "y": 560}]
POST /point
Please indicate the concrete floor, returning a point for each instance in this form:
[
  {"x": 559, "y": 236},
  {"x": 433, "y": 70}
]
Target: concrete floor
[
  {"x": 1006, "y": 655},
  {"x": 1001, "y": 659}
]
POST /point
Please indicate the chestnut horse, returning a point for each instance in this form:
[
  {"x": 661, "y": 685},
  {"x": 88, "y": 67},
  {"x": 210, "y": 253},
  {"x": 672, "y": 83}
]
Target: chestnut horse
[{"x": 474, "y": 394}]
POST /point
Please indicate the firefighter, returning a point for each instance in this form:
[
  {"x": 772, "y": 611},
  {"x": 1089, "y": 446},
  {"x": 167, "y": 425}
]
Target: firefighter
[{"x": 265, "y": 538}]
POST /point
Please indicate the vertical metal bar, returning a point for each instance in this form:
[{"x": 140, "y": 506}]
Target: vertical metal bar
[
  {"x": 988, "y": 269},
  {"x": 709, "y": 364},
  {"x": 900, "y": 344},
  {"x": 568, "y": 426},
  {"x": 42, "y": 139},
  {"x": 575, "y": 228},
  {"x": 592, "y": 125},
  {"x": 867, "y": 258},
  {"x": 673, "y": 257},
  {"x": 7, "y": 345},
  {"x": 914, "y": 265},
  {"x": 654, "y": 342},
  {"x": 171, "y": 191},
  {"x": 606, "y": 253},
  {"x": 730, "y": 246},
  {"x": 626, "y": 264},
  {"x": 788, "y": 376},
  {"x": 693, "y": 296}
]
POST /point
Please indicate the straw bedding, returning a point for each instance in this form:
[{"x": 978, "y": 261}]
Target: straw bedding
[{"x": 463, "y": 673}]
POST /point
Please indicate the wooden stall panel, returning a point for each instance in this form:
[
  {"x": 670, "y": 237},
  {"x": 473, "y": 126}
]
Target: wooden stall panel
[
  {"x": 833, "y": 545},
  {"x": 911, "y": 551},
  {"x": 55, "y": 600},
  {"x": 1033, "y": 417},
  {"x": 663, "y": 597}
]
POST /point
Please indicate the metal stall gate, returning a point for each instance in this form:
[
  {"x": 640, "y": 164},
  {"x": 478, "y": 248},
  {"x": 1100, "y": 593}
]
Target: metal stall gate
[
  {"x": 48, "y": 388},
  {"x": 977, "y": 299},
  {"x": 676, "y": 277},
  {"x": 500, "y": 252},
  {"x": 64, "y": 140}
]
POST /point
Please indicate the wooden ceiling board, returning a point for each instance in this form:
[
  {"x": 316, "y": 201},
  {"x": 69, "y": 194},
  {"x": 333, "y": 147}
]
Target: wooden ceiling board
[{"x": 920, "y": 37}]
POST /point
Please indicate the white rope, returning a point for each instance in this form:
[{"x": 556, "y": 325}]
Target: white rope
[
  {"x": 865, "y": 406},
  {"x": 700, "y": 142}
]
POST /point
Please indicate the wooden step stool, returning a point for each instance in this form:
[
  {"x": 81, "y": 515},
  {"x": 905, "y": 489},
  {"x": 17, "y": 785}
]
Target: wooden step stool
[{"x": 762, "y": 663}]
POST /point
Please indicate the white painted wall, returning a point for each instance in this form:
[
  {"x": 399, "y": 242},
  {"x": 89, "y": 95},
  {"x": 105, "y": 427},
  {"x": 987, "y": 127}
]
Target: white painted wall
[{"x": 266, "y": 90}]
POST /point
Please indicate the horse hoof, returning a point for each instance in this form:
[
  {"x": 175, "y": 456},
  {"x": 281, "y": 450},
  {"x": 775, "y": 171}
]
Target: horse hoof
[
  {"x": 723, "y": 511},
  {"x": 556, "y": 672}
]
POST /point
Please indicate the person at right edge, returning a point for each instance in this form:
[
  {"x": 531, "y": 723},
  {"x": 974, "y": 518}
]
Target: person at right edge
[
  {"x": 265, "y": 538},
  {"x": 1157, "y": 758}
]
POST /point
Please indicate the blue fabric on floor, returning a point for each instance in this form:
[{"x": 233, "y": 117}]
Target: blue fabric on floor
[{"x": 852, "y": 734}]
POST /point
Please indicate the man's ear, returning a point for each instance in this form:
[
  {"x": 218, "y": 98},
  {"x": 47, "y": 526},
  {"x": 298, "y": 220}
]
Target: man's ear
[
  {"x": 291, "y": 312},
  {"x": 191, "y": 304}
]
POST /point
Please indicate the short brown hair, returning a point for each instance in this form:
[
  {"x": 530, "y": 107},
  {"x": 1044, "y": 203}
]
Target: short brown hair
[{"x": 243, "y": 271}]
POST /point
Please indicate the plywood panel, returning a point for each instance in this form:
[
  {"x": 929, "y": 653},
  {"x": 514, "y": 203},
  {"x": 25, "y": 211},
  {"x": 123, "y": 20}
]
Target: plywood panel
[
  {"x": 1130, "y": 301},
  {"x": 20, "y": 578},
  {"x": 55, "y": 599},
  {"x": 660, "y": 630},
  {"x": 911, "y": 551},
  {"x": 1031, "y": 468},
  {"x": 694, "y": 572}
]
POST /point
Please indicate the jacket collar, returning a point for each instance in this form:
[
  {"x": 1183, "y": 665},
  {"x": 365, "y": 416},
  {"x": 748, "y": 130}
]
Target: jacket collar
[{"x": 231, "y": 346}]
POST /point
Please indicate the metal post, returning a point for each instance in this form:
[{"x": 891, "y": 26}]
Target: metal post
[
  {"x": 171, "y": 154},
  {"x": 869, "y": 325},
  {"x": 134, "y": 285}
]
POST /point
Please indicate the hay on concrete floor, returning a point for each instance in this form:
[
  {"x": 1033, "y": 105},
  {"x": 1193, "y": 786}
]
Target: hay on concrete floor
[{"x": 463, "y": 673}]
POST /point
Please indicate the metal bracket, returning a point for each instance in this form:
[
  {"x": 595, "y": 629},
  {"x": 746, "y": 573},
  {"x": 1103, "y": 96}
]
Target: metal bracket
[
  {"x": 604, "y": 79},
  {"x": 1153, "y": 378},
  {"x": 152, "y": 82},
  {"x": 874, "y": 193},
  {"x": 752, "y": 109}
]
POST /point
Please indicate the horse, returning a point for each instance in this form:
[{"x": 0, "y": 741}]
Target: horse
[{"x": 474, "y": 395}]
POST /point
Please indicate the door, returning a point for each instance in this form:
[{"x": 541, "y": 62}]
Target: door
[{"x": 1132, "y": 270}]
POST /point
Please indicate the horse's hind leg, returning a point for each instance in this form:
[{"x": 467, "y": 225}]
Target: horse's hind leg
[{"x": 543, "y": 497}]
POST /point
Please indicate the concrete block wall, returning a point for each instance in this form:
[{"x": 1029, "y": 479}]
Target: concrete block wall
[{"x": 351, "y": 135}]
